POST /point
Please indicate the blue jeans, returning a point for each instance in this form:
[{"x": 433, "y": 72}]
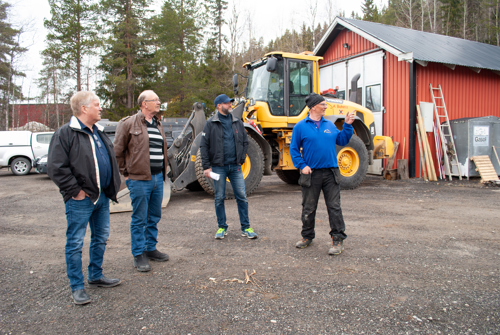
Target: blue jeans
[
  {"x": 233, "y": 172},
  {"x": 78, "y": 214},
  {"x": 146, "y": 196}
]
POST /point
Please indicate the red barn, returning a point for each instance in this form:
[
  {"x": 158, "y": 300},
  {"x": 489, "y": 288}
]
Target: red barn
[
  {"x": 42, "y": 113},
  {"x": 397, "y": 65}
]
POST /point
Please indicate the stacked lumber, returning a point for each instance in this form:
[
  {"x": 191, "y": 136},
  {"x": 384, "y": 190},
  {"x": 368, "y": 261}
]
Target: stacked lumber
[{"x": 426, "y": 158}]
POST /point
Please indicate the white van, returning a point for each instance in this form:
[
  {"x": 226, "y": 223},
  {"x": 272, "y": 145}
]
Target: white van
[{"x": 19, "y": 149}]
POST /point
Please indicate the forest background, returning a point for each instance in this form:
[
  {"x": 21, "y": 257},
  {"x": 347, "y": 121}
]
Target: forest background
[{"x": 188, "y": 51}]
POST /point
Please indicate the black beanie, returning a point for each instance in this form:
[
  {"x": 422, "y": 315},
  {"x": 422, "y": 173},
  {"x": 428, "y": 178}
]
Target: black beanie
[{"x": 313, "y": 99}]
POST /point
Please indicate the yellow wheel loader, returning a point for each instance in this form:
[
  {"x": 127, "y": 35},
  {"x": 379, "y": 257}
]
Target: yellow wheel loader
[{"x": 274, "y": 101}]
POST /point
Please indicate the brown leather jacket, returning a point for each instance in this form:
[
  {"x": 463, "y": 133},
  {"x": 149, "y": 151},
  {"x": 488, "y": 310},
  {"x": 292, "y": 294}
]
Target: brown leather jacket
[{"x": 132, "y": 147}]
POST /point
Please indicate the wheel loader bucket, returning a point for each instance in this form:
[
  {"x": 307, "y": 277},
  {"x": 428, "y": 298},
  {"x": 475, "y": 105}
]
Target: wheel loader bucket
[{"x": 125, "y": 203}]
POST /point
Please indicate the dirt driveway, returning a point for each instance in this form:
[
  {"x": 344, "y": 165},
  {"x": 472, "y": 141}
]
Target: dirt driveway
[{"x": 420, "y": 258}]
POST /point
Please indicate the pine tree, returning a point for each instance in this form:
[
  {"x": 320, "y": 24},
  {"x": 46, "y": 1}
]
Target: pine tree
[
  {"x": 215, "y": 18},
  {"x": 177, "y": 39},
  {"x": 73, "y": 32},
  {"x": 369, "y": 11},
  {"x": 126, "y": 63}
]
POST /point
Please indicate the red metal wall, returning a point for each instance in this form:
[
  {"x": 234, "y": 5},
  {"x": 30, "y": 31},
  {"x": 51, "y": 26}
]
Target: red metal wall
[
  {"x": 396, "y": 102},
  {"x": 24, "y": 113},
  {"x": 336, "y": 51},
  {"x": 466, "y": 94}
]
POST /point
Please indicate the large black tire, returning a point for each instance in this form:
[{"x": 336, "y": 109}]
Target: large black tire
[
  {"x": 252, "y": 169},
  {"x": 20, "y": 166},
  {"x": 194, "y": 186},
  {"x": 353, "y": 163},
  {"x": 289, "y": 176}
]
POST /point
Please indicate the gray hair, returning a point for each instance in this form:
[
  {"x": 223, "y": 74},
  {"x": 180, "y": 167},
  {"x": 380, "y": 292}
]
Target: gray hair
[
  {"x": 143, "y": 96},
  {"x": 79, "y": 99}
]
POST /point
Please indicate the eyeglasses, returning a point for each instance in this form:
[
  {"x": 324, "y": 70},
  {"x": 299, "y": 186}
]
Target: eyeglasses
[
  {"x": 155, "y": 100},
  {"x": 324, "y": 104}
]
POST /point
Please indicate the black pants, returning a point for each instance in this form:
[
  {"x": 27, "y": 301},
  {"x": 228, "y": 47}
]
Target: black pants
[{"x": 322, "y": 179}]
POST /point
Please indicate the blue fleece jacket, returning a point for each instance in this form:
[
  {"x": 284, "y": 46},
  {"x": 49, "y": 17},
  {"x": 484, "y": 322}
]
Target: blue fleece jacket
[{"x": 318, "y": 145}]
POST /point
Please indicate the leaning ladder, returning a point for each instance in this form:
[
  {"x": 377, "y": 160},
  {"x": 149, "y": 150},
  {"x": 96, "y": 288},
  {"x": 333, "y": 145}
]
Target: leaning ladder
[{"x": 444, "y": 123}]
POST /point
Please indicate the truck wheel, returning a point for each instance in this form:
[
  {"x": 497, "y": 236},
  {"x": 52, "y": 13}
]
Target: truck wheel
[
  {"x": 289, "y": 176},
  {"x": 20, "y": 166},
  {"x": 252, "y": 169},
  {"x": 353, "y": 163}
]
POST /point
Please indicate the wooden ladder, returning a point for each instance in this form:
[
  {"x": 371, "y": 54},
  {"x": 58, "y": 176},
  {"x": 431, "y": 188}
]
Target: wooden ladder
[{"x": 443, "y": 123}]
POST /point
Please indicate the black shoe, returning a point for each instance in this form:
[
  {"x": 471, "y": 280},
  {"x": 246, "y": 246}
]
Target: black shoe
[
  {"x": 141, "y": 262},
  {"x": 80, "y": 297},
  {"x": 155, "y": 255},
  {"x": 104, "y": 282}
]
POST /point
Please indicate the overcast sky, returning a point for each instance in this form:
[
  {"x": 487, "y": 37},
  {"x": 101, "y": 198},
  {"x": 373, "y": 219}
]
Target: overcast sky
[{"x": 270, "y": 19}]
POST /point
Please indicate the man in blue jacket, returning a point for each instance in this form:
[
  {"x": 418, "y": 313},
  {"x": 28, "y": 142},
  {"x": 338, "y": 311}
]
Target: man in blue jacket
[
  {"x": 82, "y": 163},
  {"x": 223, "y": 149},
  {"x": 319, "y": 169}
]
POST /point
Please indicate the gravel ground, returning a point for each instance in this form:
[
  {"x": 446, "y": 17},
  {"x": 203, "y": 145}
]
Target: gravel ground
[{"x": 420, "y": 258}]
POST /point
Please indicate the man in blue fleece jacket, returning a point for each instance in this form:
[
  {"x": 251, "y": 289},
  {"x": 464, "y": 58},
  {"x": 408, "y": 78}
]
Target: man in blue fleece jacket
[{"x": 319, "y": 169}]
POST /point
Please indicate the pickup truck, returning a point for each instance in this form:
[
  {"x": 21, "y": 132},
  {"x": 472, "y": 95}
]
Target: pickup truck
[{"x": 19, "y": 149}]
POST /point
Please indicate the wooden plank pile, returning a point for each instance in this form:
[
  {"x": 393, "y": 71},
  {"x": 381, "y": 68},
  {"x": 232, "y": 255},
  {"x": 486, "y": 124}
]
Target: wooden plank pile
[{"x": 425, "y": 150}]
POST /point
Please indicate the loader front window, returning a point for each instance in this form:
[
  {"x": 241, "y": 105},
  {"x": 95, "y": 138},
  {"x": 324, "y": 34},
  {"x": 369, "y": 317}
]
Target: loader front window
[{"x": 267, "y": 86}]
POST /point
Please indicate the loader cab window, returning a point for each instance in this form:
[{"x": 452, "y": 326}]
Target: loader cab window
[
  {"x": 300, "y": 85},
  {"x": 276, "y": 90},
  {"x": 267, "y": 87}
]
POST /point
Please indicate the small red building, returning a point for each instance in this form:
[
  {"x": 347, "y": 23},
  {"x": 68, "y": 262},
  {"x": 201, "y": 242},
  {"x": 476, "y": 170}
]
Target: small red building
[
  {"x": 42, "y": 113},
  {"x": 397, "y": 65}
]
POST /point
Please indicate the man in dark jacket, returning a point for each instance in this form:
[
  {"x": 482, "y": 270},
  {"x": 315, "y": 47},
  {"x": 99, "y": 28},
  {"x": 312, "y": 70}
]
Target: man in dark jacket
[
  {"x": 223, "y": 148},
  {"x": 141, "y": 152},
  {"x": 82, "y": 163}
]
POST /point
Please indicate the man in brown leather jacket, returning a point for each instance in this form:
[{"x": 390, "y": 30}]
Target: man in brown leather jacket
[{"x": 141, "y": 153}]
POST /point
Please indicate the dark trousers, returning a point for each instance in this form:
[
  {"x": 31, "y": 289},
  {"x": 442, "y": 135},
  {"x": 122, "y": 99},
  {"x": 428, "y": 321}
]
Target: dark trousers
[{"x": 322, "y": 179}]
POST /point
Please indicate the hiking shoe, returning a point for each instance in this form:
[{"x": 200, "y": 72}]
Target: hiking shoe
[
  {"x": 304, "y": 243},
  {"x": 249, "y": 233},
  {"x": 337, "y": 247},
  {"x": 141, "y": 262},
  {"x": 220, "y": 233},
  {"x": 155, "y": 255}
]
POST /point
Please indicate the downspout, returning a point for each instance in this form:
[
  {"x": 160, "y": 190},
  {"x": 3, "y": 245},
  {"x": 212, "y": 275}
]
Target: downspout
[{"x": 412, "y": 118}]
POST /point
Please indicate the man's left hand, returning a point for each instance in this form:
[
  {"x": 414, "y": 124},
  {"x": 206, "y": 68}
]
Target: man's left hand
[{"x": 349, "y": 118}]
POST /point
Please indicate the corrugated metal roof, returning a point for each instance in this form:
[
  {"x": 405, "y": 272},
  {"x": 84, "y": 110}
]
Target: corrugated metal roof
[{"x": 411, "y": 45}]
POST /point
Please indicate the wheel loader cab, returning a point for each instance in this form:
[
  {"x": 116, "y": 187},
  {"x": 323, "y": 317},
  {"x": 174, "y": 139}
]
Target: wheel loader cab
[{"x": 279, "y": 85}]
